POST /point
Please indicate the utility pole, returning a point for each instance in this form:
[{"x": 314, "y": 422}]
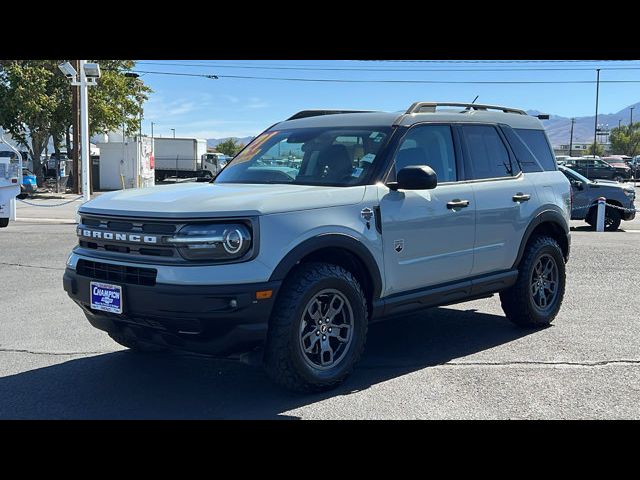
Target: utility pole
[
  {"x": 573, "y": 120},
  {"x": 595, "y": 126},
  {"x": 174, "y": 132},
  {"x": 84, "y": 128},
  {"x": 619, "y": 123},
  {"x": 75, "y": 107},
  {"x": 631, "y": 118}
]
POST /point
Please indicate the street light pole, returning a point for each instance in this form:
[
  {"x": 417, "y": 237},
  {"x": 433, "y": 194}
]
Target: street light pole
[
  {"x": 84, "y": 131},
  {"x": 631, "y": 117},
  {"x": 573, "y": 120},
  {"x": 174, "y": 132},
  {"x": 595, "y": 126}
]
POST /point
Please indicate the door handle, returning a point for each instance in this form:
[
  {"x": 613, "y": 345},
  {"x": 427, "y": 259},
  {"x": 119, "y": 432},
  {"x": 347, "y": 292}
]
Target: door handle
[
  {"x": 521, "y": 197},
  {"x": 457, "y": 204}
]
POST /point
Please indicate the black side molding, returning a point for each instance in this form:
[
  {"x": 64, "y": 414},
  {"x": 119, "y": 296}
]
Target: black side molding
[{"x": 445, "y": 294}]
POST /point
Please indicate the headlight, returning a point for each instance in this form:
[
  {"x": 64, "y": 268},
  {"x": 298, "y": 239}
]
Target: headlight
[
  {"x": 630, "y": 193},
  {"x": 216, "y": 241}
]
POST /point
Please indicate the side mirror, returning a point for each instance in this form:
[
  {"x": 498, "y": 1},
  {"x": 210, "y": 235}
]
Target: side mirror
[
  {"x": 415, "y": 177},
  {"x": 579, "y": 185}
]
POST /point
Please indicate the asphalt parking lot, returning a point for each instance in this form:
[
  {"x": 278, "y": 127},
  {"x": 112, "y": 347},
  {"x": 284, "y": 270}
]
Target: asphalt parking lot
[{"x": 465, "y": 361}]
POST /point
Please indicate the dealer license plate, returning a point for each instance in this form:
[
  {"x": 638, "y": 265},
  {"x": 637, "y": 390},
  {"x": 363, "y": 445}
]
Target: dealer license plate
[{"x": 106, "y": 297}]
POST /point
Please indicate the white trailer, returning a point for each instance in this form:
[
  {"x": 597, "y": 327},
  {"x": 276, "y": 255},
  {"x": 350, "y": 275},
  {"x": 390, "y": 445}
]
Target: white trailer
[
  {"x": 126, "y": 165},
  {"x": 10, "y": 180},
  {"x": 182, "y": 158}
]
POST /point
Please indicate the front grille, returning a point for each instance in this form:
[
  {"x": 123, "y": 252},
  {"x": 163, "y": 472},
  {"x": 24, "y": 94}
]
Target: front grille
[
  {"x": 117, "y": 273},
  {"x": 138, "y": 227}
]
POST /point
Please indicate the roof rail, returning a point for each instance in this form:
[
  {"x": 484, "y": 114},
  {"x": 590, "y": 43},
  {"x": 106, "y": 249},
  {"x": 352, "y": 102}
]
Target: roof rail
[
  {"x": 317, "y": 113},
  {"x": 418, "y": 107}
]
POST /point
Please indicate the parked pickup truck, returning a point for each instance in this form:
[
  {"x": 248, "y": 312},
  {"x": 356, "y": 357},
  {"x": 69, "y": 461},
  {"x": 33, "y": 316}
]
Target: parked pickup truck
[{"x": 620, "y": 199}]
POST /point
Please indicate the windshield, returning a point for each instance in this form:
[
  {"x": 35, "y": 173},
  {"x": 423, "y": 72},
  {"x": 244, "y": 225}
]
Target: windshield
[
  {"x": 308, "y": 156},
  {"x": 573, "y": 175}
]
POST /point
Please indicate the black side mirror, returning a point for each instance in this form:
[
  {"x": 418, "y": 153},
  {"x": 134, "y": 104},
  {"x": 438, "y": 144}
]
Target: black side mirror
[
  {"x": 579, "y": 185},
  {"x": 415, "y": 177}
]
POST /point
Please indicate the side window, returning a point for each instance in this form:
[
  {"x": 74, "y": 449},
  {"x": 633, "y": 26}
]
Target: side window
[
  {"x": 522, "y": 152},
  {"x": 487, "y": 155},
  {"x": 430, "y": 145},
  {"x": 539, "y": 146}
]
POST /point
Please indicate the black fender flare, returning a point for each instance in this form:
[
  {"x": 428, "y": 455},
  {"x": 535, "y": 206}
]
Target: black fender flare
[
  {"x": 331, "y": 240},
  {"x": 546, "y": 216}
]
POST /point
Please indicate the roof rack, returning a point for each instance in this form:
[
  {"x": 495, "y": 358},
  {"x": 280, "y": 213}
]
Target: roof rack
[
  {"x": 317, "y": 113},
  {"x": 418, "y": 107}
]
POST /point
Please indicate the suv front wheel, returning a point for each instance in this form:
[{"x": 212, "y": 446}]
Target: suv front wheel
[
  {"x": 317, "y": 330},
  {"x": 535, "y": 299}
]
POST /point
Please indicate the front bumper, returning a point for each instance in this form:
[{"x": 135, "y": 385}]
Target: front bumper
[
  {"x": 199, "y": 319},
  {"x": 629, "y": 215}
]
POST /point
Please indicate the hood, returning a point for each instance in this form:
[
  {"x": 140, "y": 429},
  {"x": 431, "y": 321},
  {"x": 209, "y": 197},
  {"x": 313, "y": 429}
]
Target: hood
[
  {"x": 197, "y": 200},
  {"x": 612, "y": 184}
]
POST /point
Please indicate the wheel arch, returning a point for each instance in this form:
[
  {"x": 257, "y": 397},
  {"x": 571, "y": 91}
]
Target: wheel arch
[
  {"x": 337, "y": 249},
  {"x": 548, "y": 222}
]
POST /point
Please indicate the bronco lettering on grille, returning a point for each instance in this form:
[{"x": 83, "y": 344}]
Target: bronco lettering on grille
[{"x": 119, "y": 237}]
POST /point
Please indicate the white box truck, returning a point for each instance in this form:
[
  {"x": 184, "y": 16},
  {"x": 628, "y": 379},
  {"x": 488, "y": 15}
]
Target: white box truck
[
  {"x": 183, "y": 158},
  {"x": 126, "y": 165}
]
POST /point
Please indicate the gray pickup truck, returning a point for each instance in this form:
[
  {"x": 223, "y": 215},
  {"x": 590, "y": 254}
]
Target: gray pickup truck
[
  {"x": 620, "y": 199},
  {"x": 385, "y": 214}
]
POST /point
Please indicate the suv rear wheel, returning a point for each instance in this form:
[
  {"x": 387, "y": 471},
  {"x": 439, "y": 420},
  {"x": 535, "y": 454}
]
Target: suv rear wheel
[
  {"x": 535, "y": 299},
  {"x": 318, "y": 328}
]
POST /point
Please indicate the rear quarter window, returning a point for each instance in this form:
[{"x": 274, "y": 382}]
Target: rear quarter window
[{"x": 537, "y": 142}]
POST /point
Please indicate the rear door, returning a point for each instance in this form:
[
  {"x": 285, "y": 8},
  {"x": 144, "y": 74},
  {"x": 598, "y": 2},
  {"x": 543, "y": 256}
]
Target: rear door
[
  {"x": 505, "y": 198},
  {"x": 427, "y": 239}
]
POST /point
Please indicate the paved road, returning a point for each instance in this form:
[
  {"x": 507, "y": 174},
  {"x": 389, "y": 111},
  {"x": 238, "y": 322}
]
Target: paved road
[{"x": 465, "y": 361}]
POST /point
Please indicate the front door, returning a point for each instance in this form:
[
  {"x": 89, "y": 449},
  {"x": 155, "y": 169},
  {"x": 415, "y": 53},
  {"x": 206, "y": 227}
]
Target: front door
[{"x": 427, "y": 235}]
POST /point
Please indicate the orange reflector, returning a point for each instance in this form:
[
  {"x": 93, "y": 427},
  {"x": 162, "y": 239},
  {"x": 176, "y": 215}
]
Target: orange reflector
[{"x": 264, "y": 294}]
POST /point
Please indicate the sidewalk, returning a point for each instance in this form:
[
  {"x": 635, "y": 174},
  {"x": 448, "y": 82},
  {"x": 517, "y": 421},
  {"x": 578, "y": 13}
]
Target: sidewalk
[{"x": 49, "y": 208}]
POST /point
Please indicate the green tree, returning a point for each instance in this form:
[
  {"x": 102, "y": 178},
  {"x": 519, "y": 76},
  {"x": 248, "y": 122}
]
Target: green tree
[
  {"x": 625, "y": 140},
  {"x": 230, "y": 147},
  {"x": 595, "y": 149},
  {"x": 35, "y": 102}
]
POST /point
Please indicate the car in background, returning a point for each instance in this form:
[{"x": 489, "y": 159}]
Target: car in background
[
  {"x": 596, "y": 168},
  {"x": 634, "y": 164},
  {"x": 585, "y": 200},
  {"x": 562, "y": 159},
  {"x": 29, "y": 184}
]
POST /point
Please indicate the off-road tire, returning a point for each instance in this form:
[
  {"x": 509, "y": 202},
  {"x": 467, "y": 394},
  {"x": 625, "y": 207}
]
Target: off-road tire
[
  {"x": 283, "y": 356},
  {"x": 134, "y": 344},
  {"x": 517, "y": 302}
]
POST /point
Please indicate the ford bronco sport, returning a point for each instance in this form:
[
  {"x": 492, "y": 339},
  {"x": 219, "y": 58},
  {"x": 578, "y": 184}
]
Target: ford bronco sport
[{"x": 324, "y": 223}]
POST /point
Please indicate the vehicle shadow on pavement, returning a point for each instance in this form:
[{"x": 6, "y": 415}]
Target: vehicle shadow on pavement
[{"x": 125, "y": 385}]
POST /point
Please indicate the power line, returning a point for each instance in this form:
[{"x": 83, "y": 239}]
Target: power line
[
  {"x": 365, "y": 69},
  {"x": 497, "y": 61},
  {"x": 344, "y": 80}
]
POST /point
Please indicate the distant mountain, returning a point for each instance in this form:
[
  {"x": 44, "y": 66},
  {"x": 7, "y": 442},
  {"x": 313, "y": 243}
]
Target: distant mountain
[
  {"x": 559, "y": 128},
  {"x": 212, "y": 142}
]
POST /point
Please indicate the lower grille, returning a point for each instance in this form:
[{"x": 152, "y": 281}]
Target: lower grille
[{"x": 117, "y": 273}]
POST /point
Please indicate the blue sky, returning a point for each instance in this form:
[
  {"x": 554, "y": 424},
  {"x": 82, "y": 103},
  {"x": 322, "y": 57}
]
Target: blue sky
[{"x": 206, "y": 108}]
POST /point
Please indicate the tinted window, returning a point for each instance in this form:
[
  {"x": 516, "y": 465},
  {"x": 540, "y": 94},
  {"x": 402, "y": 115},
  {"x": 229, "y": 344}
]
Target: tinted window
[
  {"x": 487, "y": 155},
  {"x": 524, "y": 155},
  {"x": 430, "y": 145},
  {"x": 308, "y": 156},
  {"x": 539, "y": 146}
]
